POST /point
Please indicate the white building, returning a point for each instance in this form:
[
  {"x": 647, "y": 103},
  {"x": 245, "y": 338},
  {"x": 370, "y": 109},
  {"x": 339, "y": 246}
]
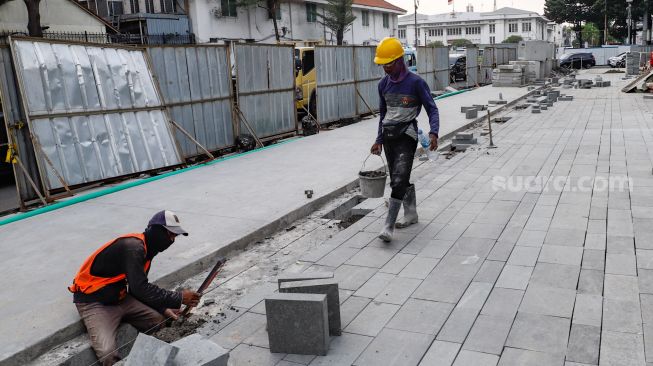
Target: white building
[
  {"x": 56, "y": 16},
  {"x": 221, "y": 20},
  {"x": 479, "y": 28}
]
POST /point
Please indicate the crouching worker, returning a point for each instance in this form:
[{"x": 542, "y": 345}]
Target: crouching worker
[
  {"x": 112, "y": 286},
  {"x": 402, "y": 96}
]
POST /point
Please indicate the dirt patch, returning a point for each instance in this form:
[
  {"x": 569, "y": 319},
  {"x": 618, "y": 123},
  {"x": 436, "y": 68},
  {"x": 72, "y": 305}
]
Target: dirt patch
[
  {"x": 372, "y": 174},
  {"x": 614, "y": 71},
  {"x": 349, "y": 221},
  {"x": 175, "y": 330}
]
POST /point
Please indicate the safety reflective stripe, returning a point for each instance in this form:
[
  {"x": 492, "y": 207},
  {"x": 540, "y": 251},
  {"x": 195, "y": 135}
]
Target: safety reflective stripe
[{"x": 87, "y": 283}]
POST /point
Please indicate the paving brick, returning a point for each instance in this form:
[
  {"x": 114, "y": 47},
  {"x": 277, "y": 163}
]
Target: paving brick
[
  {"x": 372, "y": 319},
  {"x": 239, "y": 330},
  {"x": 327, "y": 287},
  {"x": 421, "y": 316},
  {"x": 442, "y": 288},
  {"x": 343, "y": 350},
  {"x": 251, "y": 355},
  {"x": 522, "y": 357},
  {"x": 501, "y": 251},
  {"x": 351, "y": 308},
  {"x": 548, "y": 301},
  {"x": 196, "y": 350},
  {"x": 338, "y": 256},
  {"x": 644, "y": 259},
  {"x": 395, "y": 348},
  {"x": 436, "y": 248},
  {"x": 457, "y": 327},
  {"x": 620, "y": 287},
  {"x": 593, "y": 259},
  {"x": 595, "y": 241},
  {"x": 621, "y": 349},
  {"x": 620, "y": 264},
  {"x": 622, "y": 316},
  {"x": 360, "y": 240},
  {"x": 524, "y": 256},
  {"x": 620, "y": 244},
  {"x": 514, "y": 277},
  {"x": 293, "y": 359},
  {"x": 646, "y": 302},
  {"x": 419, "y": 268},
  {"x": 556, "y": 275},
  {"x": 352, "y": 277},
  {"x": 561, "y": 255},
  {"x": 503, "y": 303},
  {"x": 488, "y": 334},
  {"x": 471, "y": 358},
  {"x": 374, "y": 285},
  {"x": 440, "y": 354},
  {"x": 457, "y": 265},
  {"x": 372, "y": 257},
  {"x": 255, "y": 295},
  {"x": 588, "y": 310},
  {"x": 539, "y": 333},
  {"x": 398, "y": 290},
  {"x": 397, "y": 263},
  {"x": 645, "y": 281},
  {"x": 531, "y": 238},
  {"x": 565, "y": 237},
  {"x": 483, "y": 231},
  {"x": 584, "y": 341},
  {"x": 151, "y": 351},
  {"x": 489, "y": 272}
]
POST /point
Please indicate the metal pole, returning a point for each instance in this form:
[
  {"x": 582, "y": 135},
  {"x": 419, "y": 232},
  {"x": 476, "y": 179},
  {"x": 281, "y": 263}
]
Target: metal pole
[
  {"x": 630, "y": 21},
  {"x": 605, "y": 25},
  {"x": 489, "y": 124}
]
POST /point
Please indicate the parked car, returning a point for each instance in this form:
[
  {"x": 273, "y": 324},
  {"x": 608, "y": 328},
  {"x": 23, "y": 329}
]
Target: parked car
[
  {"x": 457, "y": 67},
  {"x": 579, "y": 60},
  {"x": 618, "y": 60},
  {"x": 410, "y": 57}
]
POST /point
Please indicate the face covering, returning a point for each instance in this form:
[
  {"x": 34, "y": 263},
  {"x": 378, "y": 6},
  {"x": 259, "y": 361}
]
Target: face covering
[
  {"x": 399, "y": 71},
  {"x": 157, "y": 240}
]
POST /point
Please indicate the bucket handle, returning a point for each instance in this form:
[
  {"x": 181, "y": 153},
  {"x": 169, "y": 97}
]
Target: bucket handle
[{"x": 385, "y": 166}]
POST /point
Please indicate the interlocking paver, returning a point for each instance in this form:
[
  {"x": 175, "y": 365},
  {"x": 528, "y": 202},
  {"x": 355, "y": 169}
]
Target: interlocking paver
[
  {"x": 421, "y": 316},
  {"x": 583, "y": 344},
  {"x": 588, "y": 310},
  {"x": 539, "y": 333},
  {"x": 440, "y": 354},
  {"x": 514, "y": 277},
  {"x": 488, "y": 334},
  {"x": 419, "y": 267},
  {"x": 395, "y": 348},
  {"x": 372, "y": 319},
  {"x": 471, "y": 358},
  {"x": 548, "y": 301},
  {"x": 561, "y": 255}
]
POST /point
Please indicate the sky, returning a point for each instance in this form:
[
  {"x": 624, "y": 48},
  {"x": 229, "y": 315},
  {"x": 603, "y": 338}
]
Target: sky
[{"x": 440, "y": 6}]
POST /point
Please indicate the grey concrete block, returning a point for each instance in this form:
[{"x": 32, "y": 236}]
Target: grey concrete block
[
  {"x": 561, "y": 255},
  {"x": 440, "y": 354},
  {"x": 618, "y": 349},
  {"x": 343, "y": 350},
  {"x": 372, "y": 319},
  {"x": 395, "y": 348},
  {"x": 556, "y": 275},
  {"x": 352, "y": 277},
  {"x": 588, "y": 310},
  {"x": 199, "y": 351},
  {"x": 471, "y": 113},
  {"x": 458, "y": 325},
  {"x": 239, "y": 330},
  {"x": 514, "y": 277},
  {"x": 421, "y": 316},
  {"x": 622, "y": 316},
  {"x": 503, "y": 303},
  {"x": 522, "y": 357},
  {"x": 548, "y": 301},
  {"x": 351, "y": 308},
  {"x": 465, "y": 109},
  {"x": 298, "y": 323},
  {"x": 584, "y": 341},
  {"x": 620, "y": 287},
  {"x": 524, "y": 256},
  {"x": 472, "y": 358},
  {"x": 374, "y": 285},
  {"x": 489, "y": 272},
  {"x": 533, "y": 110},
  {"x": 590, "y": 282},
  {"x": 539, "y": 333},
  {"x": 488, "y": 334},
  {"x": 398, "y": 290},
  {"x": 326, "y": 287},
  {"x": 419, "y": 267},
  {"x": 593, "y": 259},
  {"x": 372, "y": 257},
  {"x": 148, "y": 350},
  {"x": 246, "y": 354},
  {"x": 290, "y": 277}
]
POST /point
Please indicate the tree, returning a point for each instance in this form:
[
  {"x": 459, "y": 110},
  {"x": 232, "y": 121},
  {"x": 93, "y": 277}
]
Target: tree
[
  {"x": 575, "y": 12},
  {"x": 460, "y": 43},
  {"x": 338, "y": 17},
  {"x": 436, "y": 44},
  {"x": 513, "y": 39},
  {"x": 33, "y": 17},
  {"x": 591, "y": 34},
  {"x": 270, "y": 6}
]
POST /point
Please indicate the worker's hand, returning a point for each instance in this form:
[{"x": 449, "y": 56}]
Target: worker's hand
[
  {"x": 190, "y": 298},
  {"x": 376, "y": 149},
  {"x": 434, "y": 142},
  {"x": 171, "y": 314}
]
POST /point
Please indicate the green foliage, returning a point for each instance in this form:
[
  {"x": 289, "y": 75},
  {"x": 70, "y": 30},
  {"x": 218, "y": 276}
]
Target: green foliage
[
  {"x": 338, "y": 17},
  {"x": 436, "y": 44},
  {"x": 591, "y": 34},
  {"x": 460, "y": 43},
  {"x": 513, "y": 39}
]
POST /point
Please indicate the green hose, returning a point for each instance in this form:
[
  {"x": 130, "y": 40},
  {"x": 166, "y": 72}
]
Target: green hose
[
  {"x": 451, "y": 94},
  {"x": 118, "y": 188}
]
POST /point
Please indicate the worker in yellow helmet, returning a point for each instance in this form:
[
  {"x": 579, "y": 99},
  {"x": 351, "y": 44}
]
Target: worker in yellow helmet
[{"x": 402, "y": 96}]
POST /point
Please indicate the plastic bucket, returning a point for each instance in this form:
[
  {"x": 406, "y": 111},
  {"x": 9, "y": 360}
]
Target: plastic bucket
[{"x": 372, "y": 182}]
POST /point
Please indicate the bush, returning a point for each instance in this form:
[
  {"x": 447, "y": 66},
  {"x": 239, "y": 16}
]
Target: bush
[
  {"x": 513, "y": 39},
  {"x": 436, "y": 44},
  {"x": 461, "y": 43}
]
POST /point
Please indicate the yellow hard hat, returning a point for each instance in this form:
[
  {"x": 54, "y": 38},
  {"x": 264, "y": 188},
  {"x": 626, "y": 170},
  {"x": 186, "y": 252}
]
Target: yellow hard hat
[{"x": 388, "y": 50}]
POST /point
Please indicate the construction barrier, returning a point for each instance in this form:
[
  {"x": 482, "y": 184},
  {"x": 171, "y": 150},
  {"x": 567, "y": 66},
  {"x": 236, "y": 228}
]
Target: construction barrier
[
  {"x": 472, "y": 66},
  {"x": 426, "y": 65},
  {"x": 336, "y": 85}
]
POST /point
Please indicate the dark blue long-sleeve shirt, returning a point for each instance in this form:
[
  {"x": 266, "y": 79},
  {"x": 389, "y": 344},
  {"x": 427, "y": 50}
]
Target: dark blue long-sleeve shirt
[{"x": 403, "y": 101}]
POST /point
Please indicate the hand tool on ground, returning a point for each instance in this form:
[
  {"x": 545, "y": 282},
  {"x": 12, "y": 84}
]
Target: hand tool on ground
[{"x": 207, "y": 281}]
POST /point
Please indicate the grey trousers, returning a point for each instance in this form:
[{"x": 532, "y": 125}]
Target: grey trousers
[
  {"x": 400, "y": 154},
  {"x": 102, "y": 323}
]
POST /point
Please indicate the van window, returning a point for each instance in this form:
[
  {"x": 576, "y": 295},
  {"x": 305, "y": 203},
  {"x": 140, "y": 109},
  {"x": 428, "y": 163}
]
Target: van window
[{"x": 309, "y": 62}]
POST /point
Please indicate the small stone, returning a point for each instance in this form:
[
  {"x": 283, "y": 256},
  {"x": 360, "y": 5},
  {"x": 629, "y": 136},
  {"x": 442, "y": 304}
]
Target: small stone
[{"x": 209, "y": 302}]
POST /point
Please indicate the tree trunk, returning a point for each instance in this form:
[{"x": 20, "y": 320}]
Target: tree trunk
[
  {"x": 340, "y": 35},
  {"x": 34, "y": 18},
  {"x": 579, "y": 31},
  {"x": 272, "y": 12}
]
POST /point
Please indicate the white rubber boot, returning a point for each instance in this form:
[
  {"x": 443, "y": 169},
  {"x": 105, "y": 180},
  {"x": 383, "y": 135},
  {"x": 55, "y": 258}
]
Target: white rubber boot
[
  {"x": 410, "y": 209},
  {"x": 390, "y": 220}
]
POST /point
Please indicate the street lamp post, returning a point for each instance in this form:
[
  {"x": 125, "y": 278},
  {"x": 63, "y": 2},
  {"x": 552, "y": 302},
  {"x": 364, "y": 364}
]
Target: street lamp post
[
  {"x": 630, "y": 20},
  {"x": 416, "y": 2}
]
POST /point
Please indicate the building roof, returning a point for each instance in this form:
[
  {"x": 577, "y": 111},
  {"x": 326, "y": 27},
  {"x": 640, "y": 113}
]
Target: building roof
[
  {"x": 509, "y": 11},
  {"x": 468, "y": 16},
  {"x": 379, "y": 4}
]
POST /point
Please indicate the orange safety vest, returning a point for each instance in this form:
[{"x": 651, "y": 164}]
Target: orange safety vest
[{"x": 87, "y": 283}]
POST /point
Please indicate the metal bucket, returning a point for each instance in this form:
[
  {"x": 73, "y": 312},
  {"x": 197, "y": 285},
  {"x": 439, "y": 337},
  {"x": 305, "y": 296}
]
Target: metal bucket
[{"x": 374, "y": 186}]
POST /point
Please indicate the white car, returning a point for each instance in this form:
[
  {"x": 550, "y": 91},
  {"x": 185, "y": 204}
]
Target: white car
[{"x": 618, "y": 60}]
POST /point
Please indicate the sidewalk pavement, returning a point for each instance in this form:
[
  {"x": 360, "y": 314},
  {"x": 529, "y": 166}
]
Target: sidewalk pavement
[
  {"x": 224, "y": 206},
  {"x": 559, "y": 275}
]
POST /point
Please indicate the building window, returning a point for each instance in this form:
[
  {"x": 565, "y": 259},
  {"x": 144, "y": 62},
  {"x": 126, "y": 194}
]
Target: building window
[
  {"x": 168, "y": 6},
  {"x": 311, "y": 12},
  {"x": 492, "y": 40},
  {"x": 386, "y": 20},
  {"x": 115, "y": 8},
  {"x": 493, "y": 28},
  {"x": 473, "y": 30},
  {"x": 134, "y": 7},
  {"x": 401, "y": 33},
  {"x": 513, "y": 28},
  {"x": 365, "y": 18},
  {"x": 526, "y": 27},
  {"x": 229, "y": 8},
  {"x": 149, "y": 6},
  {"x": 435, "y": 32},
  {"x": 454, "y": 31}
]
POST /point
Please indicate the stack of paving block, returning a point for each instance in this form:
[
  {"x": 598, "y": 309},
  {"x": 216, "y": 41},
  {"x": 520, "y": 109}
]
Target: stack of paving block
[
  {"x": 470, "y": 112},
  {"x": 193, "y": 350},
  {"x": 535, "y": 108},
  {"x": 463, "y": 140},
  {"x": 585, "y": 83},
  {"x": 632, "y": 64},
  {"x": 508, "y": 76},
  {"x": 600, "y": 83},
  {"x": 566, "y": 98},
  {"x": 532, "y": 70}
]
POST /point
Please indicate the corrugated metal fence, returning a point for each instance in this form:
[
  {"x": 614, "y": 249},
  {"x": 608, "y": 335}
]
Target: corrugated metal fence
[
  {"x": 367, "y": 78},
  {"x": 336, "y": 86},
  {"x": 487, "y": 65},
  {"x": 472, "y": 66},
  {"x": 441, "y": 68},
  {"x": 266, "y": 88},
  {"x": 426, "y": 65},
  {"x": 196, "y": 84}
]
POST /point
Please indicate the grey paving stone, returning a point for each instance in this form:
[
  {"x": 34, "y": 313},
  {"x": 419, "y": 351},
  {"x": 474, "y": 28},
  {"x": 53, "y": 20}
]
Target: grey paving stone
[
  {"x": 561, "y": 255},
  {"x": 621, "y": 349},
  {"x": 352, "y": 277},
  {"x": 196, "y": 350},
  {"x": 255, "y": 295},
  {"x": 442, "y": 288},
  {"x": 484, "y": 231},
  {"x": 419, "y": 268},
  {"x": 593, "y": 259},
  {"x": 239, "y": 330},
  {"x": 648, "y": 342},
  {"x": 457, "y": 327},
  {"x": 622, "y": 316},
  {"x": 646, "y": 302},
  {"x": 590, "y": 282},
  {"x": 397, "y": 263},
  {"x": 514, "y": 277},
  {"x": 398, "y": 290},
  {"x": 468, "y": 246},
  {"x": 338, "y": 256},
  {"x": 343, "y": 350},
  {"x": 400, "y": 239},
  {"x": 556, "y": 275},
  {"x": 620, "y": 244},
  {"x": 251, "y": 355},
  {"x": 298, "y": 359},
  {"x": 489, "y": 272},
  {"x": 511, "y": 233},
  {"x": 360, "y": 240},
  {"x": 440, "y": 354},
  {"x": 151, "y": 351},
  {"x": 584, "y": 341},
  {"x": 458, "y": 265},
  {"x": 395, "y": 347},
  {"x": 471, "y": 358},
  {"x": 524, "y": 256},
  {"x": 287, "y": 363},
  {"x": 522, "y": 357},
  {"x": 620, "y": 287},
  {"x": 421, "y": 316},
  {"x": 539, "y": 333},
  {"x": 645, "y": 281},
  {"x": 644, "y": 259},
  {"x": 538, "y": 224},
  {"x": 372, "y": 319},
  {"x": 351, "y": 308},
  {"x": 595, "y": 241},
  {"x": 327, "y": 287},
  {"x": 436, "y": 248},
  {"x": 548, "y": 301},
  {"x": 620, "y": 264},
  {"x": 501, "y": 251},
  {"x": 503, "y": 303},
  {"x": 620, "y": 222},
  {"x": 475, "y": 296},
  {"x": 372, "y": 257},
  {"x": 588, "y": 310},
  {"x": 565, "y": 237},
  {"x": 374, "y": 285},
  {"x": 488, "y": 334}
]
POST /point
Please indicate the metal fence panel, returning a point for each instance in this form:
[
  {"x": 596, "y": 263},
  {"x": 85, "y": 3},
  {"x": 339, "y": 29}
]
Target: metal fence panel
[
  {"x": 17, "y": 132},
  {"x": 367, "y": 77},
  {"x": 196, "y": 84},
  {"x": 95, "y": 111},
  {"x": 487, "y": 65},
  {"x": 266, "y": 88},
  {"x": 426, "y": 65},
  {"x": 441, "y": 68},
  {"x": 336, "y": 89},
  {"x": 472, "y": 66}
]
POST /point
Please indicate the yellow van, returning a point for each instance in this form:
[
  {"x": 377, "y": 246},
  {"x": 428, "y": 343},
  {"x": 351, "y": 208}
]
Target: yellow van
[{"x": 305, "y": 80}]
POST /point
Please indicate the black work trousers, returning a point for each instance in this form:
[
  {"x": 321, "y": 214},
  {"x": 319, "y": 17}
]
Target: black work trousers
[{"x": 400, "y": 154}]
